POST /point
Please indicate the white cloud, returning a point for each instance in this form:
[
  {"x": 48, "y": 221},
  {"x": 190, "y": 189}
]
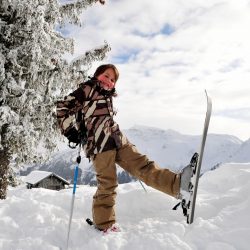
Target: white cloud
[{"x": 163, "y": 76}]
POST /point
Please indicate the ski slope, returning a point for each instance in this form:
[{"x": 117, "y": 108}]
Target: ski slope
[{"x": 38, "y": 218}]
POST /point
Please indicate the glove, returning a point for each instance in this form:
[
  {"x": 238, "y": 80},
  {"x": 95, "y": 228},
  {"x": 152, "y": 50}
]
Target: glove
[{"x": 73, "y": 135}]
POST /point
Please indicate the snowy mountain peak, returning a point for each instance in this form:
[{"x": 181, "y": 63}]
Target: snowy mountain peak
[
  {"x": 225, "y": 137},
  {"x": 168, "y": 148},
  {"x": 153, "y": 130}
]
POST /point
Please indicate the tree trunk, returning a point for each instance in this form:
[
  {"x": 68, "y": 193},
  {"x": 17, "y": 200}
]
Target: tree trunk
[{"x": 4, "y": 166}]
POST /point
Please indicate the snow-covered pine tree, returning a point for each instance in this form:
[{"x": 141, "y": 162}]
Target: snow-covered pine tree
[{"x": 33, "y": 74}]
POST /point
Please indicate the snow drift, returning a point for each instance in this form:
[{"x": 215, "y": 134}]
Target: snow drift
[{"x": 38, "y": 218}]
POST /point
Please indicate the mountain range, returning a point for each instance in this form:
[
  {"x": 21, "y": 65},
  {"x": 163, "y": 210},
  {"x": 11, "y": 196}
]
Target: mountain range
[{"x": 169, "y": 148}]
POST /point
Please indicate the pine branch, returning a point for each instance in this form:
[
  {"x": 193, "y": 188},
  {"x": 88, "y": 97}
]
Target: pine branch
[
  {"x": 96, "y": 54},
  {"x": 72, "y": 11}
]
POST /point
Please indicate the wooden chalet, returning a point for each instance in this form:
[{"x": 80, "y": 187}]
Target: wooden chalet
[{"x": 44, "y": 179}]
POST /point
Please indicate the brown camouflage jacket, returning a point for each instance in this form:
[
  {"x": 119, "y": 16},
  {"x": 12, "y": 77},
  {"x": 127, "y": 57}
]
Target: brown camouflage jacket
[{"x": 96, "y": 105}]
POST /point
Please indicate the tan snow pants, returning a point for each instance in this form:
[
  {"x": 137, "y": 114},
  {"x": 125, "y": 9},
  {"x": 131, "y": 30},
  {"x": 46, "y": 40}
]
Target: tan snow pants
[{"x": 137, "y": 165}]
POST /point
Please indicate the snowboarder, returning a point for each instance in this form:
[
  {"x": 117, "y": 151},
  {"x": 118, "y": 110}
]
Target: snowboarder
[{"x": 107, "y": 145}]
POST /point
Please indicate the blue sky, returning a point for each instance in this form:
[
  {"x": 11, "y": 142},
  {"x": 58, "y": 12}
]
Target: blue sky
[{"x": 167, "y": 53}]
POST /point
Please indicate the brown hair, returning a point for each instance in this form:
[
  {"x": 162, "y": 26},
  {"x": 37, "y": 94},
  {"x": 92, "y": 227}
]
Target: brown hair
[{"x": 103, "y": 67}]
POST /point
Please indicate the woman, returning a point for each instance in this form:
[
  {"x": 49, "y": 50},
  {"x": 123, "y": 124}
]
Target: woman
[{"x": 107, "y": 146}]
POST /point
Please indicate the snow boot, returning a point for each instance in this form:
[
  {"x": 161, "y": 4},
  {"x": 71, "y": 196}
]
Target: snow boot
[
  {"x": 113, "y": 228},
  {"x": 186, "y": 175}
]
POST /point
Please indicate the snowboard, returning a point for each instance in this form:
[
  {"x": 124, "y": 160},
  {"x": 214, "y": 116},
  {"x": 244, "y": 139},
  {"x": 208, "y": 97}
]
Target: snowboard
[{"x": 188, "y": 203}]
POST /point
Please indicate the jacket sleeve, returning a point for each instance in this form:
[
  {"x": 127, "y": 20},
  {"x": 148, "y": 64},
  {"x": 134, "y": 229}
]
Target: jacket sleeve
[{"x": 67, "y": 109}]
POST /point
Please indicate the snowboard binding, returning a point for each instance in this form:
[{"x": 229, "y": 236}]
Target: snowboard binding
[{"x": 186, "y": 199}]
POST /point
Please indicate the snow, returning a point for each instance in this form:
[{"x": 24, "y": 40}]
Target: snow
[
  {"x": 38, "y": 218},
  {"x": 36, "y": 176}
]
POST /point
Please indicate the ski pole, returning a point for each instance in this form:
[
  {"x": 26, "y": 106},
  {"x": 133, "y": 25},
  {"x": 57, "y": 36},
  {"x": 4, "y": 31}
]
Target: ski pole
[
  {"x": 143, "y": 187},
  {"x": 78, "y": 160}
]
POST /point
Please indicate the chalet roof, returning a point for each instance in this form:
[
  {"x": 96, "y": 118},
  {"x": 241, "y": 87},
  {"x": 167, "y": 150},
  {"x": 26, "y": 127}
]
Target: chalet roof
[{"x": 36, "y": 176}]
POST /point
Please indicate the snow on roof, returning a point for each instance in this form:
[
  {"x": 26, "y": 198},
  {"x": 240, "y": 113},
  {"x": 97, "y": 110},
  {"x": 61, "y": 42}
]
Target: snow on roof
[{"x": 36, "y": 176}]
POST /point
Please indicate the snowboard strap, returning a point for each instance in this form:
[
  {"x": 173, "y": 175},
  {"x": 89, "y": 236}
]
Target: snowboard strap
[
  {"x": 89, "y": 221},
  {"x": 183, "y": 206},
  {"x": 176, "y": 206}
]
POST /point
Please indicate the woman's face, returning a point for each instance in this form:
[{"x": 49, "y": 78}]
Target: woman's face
[{"x": 107, "y": 79}]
